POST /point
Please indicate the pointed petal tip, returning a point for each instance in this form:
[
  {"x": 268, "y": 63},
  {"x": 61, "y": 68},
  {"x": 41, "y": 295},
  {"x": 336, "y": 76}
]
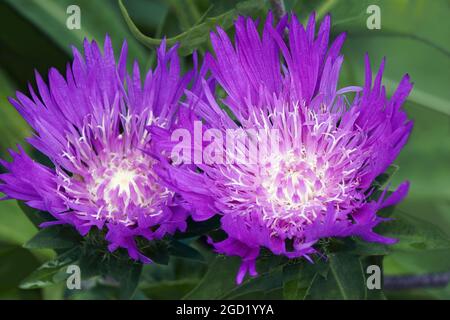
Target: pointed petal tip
[
  {"x": 12, "y": 100},
  {"x": 241, "y": 273}
]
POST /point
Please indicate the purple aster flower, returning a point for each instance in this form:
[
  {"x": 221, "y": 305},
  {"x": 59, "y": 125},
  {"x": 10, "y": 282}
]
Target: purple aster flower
[
  {"x": 317, "y": 182},
  {"x": 92, "y": 124}
]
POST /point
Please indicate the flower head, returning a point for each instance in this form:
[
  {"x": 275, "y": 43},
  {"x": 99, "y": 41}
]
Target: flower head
[
  {"x": 92, "y": 124},
  {"x": 316, "y": 182}
]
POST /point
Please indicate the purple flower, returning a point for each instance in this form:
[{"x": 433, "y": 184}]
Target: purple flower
[
  {"x": 92, "y": 124},
  {"x": 317, "y": 182}
]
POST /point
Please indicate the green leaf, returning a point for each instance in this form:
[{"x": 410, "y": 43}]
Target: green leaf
[
  {"x": 413, "y": 233},
  {"x": 386, "y": 176},
  {"x": 16, "y": 264},
  {"x": 15, "y": 227},
  {"x": 258, "y": 286},
  {"x": 195, "y": 229},
  {"x": 55, "y": 237},
  {"x": 180, "y": 249},
  {"x": 36, "y": 217},
  {"x": 348, "y": 273},
  {"x": 298, "y": 277},
  {"x": 198, "y": 34},
  {"x": 91, "y": 264},
  {"x": 13, "y": 129},
  {"x": 127, "y": 273},
  {"x": 157, "y": 251},
  {"x": 357, "y": 247},
  {"x": 169, "y": 289},
  {"x": 271, "y": 294},
  {"x": 219, "y": 281},
  {"x": 341, "y": 278},
  {"x": 363, "y": 248},
  {"x": 50, "y": 272},
  {"x": 97, "y": 19},
  {"x": 129, "y": 280}
]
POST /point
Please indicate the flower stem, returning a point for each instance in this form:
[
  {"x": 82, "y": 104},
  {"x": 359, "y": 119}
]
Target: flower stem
[{"x": 429, "y": 280}]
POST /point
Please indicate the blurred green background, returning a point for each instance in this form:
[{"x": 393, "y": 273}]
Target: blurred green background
[{"x": 414, "y": 36}]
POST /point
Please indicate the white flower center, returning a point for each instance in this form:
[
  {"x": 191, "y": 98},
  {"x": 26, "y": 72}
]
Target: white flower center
[
  {"x": 294, "y": 181},
  {"x": 122, "y": 187},
  {"x": 124, "y": 181}
]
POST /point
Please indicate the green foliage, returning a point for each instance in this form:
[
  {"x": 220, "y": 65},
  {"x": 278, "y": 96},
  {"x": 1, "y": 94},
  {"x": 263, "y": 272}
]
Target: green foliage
[
  {"x": 36, "y": 217},
  {"x": 341, "y": 277},
  {"x": 18, "y": 259},
  {"x": 180, "y": 249},
  {"x": 196, "y": 229},
  {"x": 219, "y": 279},
  {"x": 50, "y": 272},
  {"x": 50, "y": 17},
  {"x": 56, "y": 237},
  {"x": 127, "y": 274},
  {"x": 198, "y": 33},
  {"x": 338, "y": 276},
  {"x": 185, "y": 267},
  {"x": 414, "y": 233},
  {"x": 348, "y": 274},
  {"x": 299, "y": 277}
]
